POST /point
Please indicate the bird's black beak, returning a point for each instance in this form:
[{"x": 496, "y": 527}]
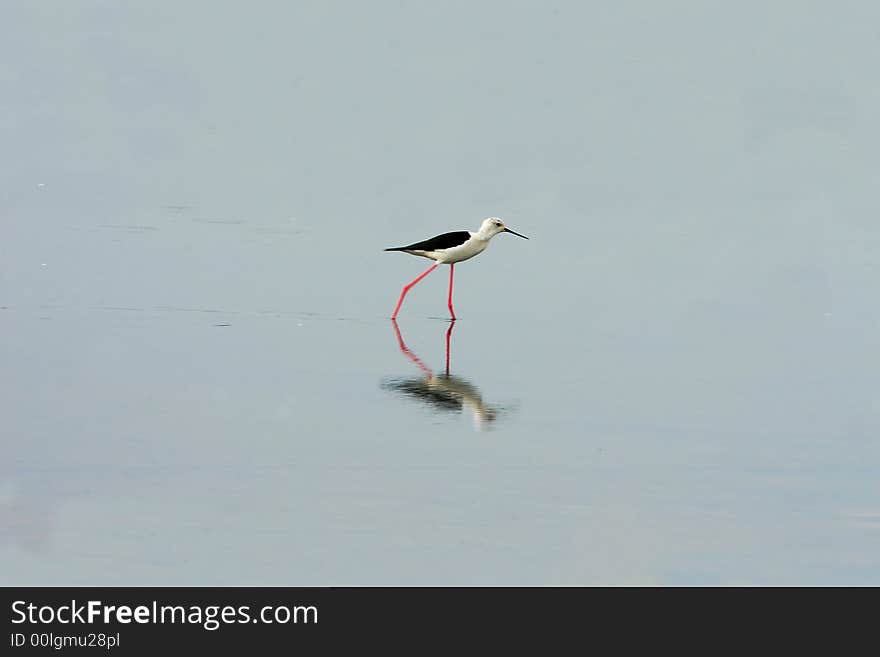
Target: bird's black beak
[{"x": 507, "y": 230}]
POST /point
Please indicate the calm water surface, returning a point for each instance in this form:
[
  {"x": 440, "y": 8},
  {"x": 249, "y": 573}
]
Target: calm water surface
[{"x": 675, "y": 381}]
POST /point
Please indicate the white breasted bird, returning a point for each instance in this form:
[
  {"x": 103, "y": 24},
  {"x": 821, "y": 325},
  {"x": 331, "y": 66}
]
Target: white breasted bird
[{"x": 449, "y": 248}]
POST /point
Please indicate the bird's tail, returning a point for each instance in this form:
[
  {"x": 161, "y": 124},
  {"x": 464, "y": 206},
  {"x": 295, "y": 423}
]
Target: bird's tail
[{"x": 396, "y": 248}]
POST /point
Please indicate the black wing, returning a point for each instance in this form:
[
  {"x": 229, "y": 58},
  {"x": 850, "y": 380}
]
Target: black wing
[{"x": 444, "y": 241}]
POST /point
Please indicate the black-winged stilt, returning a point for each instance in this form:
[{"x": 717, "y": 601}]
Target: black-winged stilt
[{"x": 449, "y": 248}]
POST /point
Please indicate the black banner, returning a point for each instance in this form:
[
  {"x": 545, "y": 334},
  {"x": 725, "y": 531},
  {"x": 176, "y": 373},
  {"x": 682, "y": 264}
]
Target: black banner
[{"x": 133, "y": 621}]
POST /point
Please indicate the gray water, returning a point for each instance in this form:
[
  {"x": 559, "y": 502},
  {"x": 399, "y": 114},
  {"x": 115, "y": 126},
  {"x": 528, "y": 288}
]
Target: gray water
[{"x": 674, "y": 381}]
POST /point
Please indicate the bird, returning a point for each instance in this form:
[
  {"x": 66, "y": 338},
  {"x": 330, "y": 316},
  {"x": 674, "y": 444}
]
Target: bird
[{"x": 450, "y": 248}]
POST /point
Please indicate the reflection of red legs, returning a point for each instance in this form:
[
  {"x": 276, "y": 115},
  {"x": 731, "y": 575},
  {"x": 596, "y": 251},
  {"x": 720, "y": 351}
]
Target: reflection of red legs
[
  {"x": 451, "y": 270},
  {"x": 448, "y": 336},
  {"x": 407, "y": 287},
  {"x": 406, "y": 352}
]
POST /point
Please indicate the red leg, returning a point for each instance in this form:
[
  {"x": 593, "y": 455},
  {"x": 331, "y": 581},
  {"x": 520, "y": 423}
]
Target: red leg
[
  {"x": 451, "y": 271},
  {"x": 407, "y": 287},
  {"x": 448, "y": 336}
]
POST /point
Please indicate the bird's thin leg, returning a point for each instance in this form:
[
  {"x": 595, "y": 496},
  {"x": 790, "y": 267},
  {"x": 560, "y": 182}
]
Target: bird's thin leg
[
  {"x": 451, "y": 271},
  {"x": 406, "y": 289},
  {"x": 448, "y": 336},
  {"x": 406, "y": 352}
]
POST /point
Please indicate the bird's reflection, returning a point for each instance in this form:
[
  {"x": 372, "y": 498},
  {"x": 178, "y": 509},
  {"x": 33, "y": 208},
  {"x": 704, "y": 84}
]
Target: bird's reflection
[{"x": 444, "y": 392}]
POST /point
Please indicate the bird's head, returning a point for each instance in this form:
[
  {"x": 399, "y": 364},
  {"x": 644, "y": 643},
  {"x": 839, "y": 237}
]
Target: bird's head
[{"x": 493, "y": 225}]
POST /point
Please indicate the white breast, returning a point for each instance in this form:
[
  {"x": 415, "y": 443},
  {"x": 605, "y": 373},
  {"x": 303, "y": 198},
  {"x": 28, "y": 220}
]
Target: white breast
[{"x": 467, "y": 250}]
